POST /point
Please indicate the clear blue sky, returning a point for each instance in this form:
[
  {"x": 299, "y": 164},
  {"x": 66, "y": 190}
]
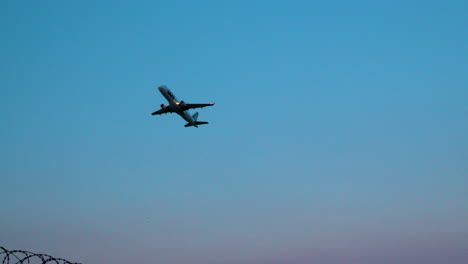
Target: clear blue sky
[{"x": 339, "y": 133}]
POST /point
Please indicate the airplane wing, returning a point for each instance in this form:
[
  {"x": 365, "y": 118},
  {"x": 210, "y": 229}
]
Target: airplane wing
[
  {"x": 163, "y": 111},
  {"x": 192, "y": 106}
]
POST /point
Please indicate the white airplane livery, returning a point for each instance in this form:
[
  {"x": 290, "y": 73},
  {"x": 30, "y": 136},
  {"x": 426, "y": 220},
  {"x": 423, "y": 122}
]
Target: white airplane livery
[{"x": 180, "y": 108}]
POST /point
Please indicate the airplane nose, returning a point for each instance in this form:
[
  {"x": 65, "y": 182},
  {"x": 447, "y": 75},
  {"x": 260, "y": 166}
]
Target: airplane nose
[{"x": 162, "y": 88}]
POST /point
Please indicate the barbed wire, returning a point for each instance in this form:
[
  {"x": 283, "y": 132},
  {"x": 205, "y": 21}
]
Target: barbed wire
[{"x": 26, "y": 257}]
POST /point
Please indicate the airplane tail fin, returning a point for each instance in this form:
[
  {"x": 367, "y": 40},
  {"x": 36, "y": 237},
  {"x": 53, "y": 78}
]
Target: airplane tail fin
[
  {"x": 195, "y": 117},
  {"x": 197, "y": 123}
]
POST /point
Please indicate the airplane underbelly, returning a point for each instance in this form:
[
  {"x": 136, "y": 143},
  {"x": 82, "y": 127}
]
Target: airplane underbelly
[{"x": 185, "y": 115}]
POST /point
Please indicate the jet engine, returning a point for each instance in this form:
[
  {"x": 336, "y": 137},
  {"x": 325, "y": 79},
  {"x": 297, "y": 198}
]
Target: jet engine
[
  {"x": 182, "y": 103},
  {"x": 163, "y": 106}
]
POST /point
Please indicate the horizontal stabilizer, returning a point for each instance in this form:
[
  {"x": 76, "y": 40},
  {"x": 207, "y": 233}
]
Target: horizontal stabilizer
[{"x": 197, "y": 123}]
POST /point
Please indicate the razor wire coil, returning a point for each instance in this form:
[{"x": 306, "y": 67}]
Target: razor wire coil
[{"x": 26, "y": 257}]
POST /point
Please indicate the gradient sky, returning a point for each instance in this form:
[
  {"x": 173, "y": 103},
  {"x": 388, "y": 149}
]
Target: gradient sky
[{"x": 339, "y": 133}]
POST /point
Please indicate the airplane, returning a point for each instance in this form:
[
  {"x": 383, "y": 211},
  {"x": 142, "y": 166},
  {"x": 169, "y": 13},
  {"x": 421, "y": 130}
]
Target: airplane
[{"x": 180, "y": 108}]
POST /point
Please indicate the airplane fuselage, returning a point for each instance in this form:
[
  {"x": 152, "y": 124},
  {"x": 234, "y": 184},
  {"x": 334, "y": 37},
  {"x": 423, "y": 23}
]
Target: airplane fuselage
[{"x": 175, "y": 105}]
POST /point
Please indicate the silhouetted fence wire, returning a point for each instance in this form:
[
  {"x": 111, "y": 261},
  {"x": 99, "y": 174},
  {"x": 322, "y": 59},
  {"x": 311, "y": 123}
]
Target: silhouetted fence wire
[{"x": 26, "y": 257}]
